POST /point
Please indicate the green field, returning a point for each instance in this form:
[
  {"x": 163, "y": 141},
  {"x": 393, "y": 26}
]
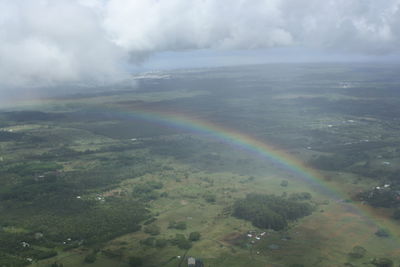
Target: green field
[{"x": 86, "y": 180}]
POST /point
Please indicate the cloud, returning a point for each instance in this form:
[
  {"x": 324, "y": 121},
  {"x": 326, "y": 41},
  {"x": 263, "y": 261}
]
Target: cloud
[
  {"x": 44, "y": 42},
  {"x": 362, "y": 26},
  {"x": 48, "y": 42},
  {"x": 143, "y": 26},
  {"x": 365, "y": 26}
]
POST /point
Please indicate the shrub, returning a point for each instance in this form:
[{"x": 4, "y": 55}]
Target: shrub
[
  {"x": 177, "y": 225},
  {"x": 396, "y": 214},
  {"x": 152, "y": 229},
  {"x": 300, "y": 196},
  {"x": 90, "y": 258},
  {"x": 184, "y": 244},
  {"x": 194, "y": 236},
  {"x": 135, "y": 262},
  {"x": 149, "y": 221},
  {"x": 382, "y": 233},
  {"x": 150, "y": 241},
  {"x": 181, "y": 242},
  {"x": 142, "y": 189},
  {"x": 160, "y": 243},
  {"x": 40, "y": 255},
  {"x": 357, "y": 252},
  {"x": 151, "y": 195},
  {"x": 210, "y": 198},
  {"x": 164, "y": 194},
  {"x": 155, "y": 185},
  {"x": 382, "y": 262}
]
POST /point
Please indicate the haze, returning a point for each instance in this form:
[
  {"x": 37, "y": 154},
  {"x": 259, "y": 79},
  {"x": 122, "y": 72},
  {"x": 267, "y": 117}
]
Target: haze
[{"x": 47, "y": 43}]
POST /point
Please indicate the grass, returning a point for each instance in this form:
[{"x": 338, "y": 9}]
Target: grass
[
  {"x": 317, "y": 239},
  {"x": 320, "y": 235}
]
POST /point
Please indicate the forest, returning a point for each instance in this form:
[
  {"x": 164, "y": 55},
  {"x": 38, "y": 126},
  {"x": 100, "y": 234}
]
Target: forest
[{"x": 270, "y": 211}]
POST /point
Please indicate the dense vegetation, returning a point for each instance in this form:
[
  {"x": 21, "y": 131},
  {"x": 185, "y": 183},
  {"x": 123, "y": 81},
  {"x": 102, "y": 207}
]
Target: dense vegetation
[
  {"x": 269, "y": 211},
  {"x": 55, "y": 209},
  {"x": 381, "y": 196}
]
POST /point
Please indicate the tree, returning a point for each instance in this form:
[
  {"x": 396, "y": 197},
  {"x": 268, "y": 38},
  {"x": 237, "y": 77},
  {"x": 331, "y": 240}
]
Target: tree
[
  {"x": 177, "y": 225},
  {"x": 357, "y": 252},
  {"x": 90, "y": 258},
  {"x": 152, "y": 229},
  {"x": 382, "y": 262},
  {"x": 396, "y": 214},
  {"x": 181, "y": 242},
  {"x": 194, "y": 236},
  {"x": 184, "y": 244},
  {"x": 210, "y": 198},
  {"x": 135, "y": 262},
  {"x": 150, "y": 241},
  {"x": 160, "y": 243},
  {"x": 382, "y": 233}
]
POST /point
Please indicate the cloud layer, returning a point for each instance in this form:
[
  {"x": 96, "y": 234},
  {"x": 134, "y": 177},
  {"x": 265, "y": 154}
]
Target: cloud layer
[{"x": 44, "y": 42}]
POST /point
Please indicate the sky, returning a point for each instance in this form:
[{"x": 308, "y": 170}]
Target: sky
[{"x": 52, "y": 42}]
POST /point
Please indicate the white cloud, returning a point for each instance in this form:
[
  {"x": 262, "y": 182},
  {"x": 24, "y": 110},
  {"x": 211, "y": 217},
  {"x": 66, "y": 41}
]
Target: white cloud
[
  {"x": 47, "y": 42},
  {"x": 53, "y": 41},
  {"x": 363, "y": 25},
  {"x": 177, "y": 24}
]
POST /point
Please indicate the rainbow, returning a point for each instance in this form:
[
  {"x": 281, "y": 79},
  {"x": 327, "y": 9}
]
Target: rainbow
[
  {"x": 238, "y": 140},
  {"x": 253, "y": 146}
]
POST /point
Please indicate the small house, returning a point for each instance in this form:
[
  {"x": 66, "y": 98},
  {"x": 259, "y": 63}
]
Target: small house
[{"x": 191, "y": 262}]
